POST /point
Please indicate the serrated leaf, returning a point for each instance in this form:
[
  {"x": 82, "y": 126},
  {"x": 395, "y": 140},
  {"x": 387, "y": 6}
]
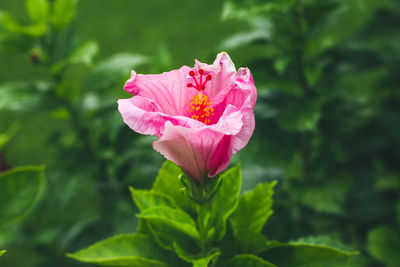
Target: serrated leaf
[
  {"x": 249, "y": 260},
  {"x": 63, "y": 12},
  {"x": 146, "y": 199},
  {"x": 254, "y": 208},
  {"x": 135, "y": 250},
  {"x": 324, "y": 241},
  {"x": 38, "y": 10},
  {"x": 196, "y": 259},
  {"x": 225, "y": 201},
  {"x": 175, "y": 218},
  {"x": 251, "y": 242},
  {"x": 170, "y": 238},
  {"x": 310, "y": 255},
  {"x": 167, "y": 182},
  {"x": 205, "y": 262},
  {"x": 84, "y": 53},
  {"x": 384, "y": 245},
  {"x": 20, "y": 190}
]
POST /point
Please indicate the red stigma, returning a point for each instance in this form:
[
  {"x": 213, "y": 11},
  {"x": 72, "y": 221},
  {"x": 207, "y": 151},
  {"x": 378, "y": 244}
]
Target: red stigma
[{"x": 199, "y": 81}]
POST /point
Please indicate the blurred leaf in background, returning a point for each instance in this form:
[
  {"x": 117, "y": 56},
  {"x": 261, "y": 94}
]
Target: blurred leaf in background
[{"x": 327, "y": 114}]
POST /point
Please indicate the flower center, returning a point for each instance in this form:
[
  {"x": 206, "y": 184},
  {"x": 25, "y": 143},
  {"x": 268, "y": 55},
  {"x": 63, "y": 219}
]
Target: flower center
[{"x": 200, "y": 105}]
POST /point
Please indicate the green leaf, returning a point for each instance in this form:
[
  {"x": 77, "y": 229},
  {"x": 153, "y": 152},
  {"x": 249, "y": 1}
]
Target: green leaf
[
  {"x": 324, "y": 240},
  {"x": 167, "y": 182},
  {"x": 249, "y": 260},
  {"x": 63, "y": 12},
  {"x": 195, "y": 259},
  {"x": 384, "y": 245},
  {"x": 38, "y": 10},
  {"x": 175, "y": 218},
  {"x": 300, "y": 115},
  {"x": 2, "y": 252},
  {"x": 261, "y": 31},
  {"x": 22, "y": 96},
  {"x": 145, "y": 199},
  {"x": 249, "y": 9},
  {"x": 254, "y": 208},
  {"x": 20, "y": 190},
  {"x": 84, "y": 53},
  {"x": 7, "y": 136},
  {"x": 328, "y": 197},
  {"x": 170, "y": 238},
  {"x": 296, "y": 254},
  {"x": 344, "y": 22},
  {"x": 205, "y": 262},
  {"x": 135, "y": 250},
  {"x": 13, "y": 26},
  {"x": 15, "y": 43},
  {"x": 251, "y": 242},
  {"x": 225, "y": 201},
  {"x": 113, "y": 71}
]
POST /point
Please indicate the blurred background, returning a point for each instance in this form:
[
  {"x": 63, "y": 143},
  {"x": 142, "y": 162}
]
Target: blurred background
[{"x": 327, "y": 115}]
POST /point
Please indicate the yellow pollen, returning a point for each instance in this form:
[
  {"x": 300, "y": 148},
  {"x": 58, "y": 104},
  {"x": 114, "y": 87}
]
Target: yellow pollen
[{"x": 200, "y": 107}]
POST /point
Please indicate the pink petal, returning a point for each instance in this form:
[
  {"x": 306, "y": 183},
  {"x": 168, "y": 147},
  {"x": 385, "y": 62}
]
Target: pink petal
[
  {"x": 142, "y": 116},
  {"x": 222, "y": 71},
  {"x": 230, "y": 123},
  {"x": 189, "y": 148},
  {"x": 167, "y": 91}
]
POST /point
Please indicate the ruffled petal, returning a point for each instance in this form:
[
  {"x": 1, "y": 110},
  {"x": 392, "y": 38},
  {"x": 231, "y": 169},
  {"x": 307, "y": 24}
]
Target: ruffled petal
[
  {"x": 230, "y": 123},
  {"x": 142, "y": 116},
  {"x": 189, "y": 148},
  {"x": 243, "y": 96},
  {"x": 222, "y": 71},
  {"x": 167, "y": 91}
]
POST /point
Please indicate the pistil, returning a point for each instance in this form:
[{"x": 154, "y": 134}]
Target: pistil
[{"x": 200, "y": 105}]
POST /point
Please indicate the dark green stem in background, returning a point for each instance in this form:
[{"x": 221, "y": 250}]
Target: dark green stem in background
[
  {"x": 105, "y": 187},
  {"x": 300, "y": 47}
]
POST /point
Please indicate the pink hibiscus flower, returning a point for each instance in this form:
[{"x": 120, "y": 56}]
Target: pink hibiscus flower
[{"x": 202, "y": 116}]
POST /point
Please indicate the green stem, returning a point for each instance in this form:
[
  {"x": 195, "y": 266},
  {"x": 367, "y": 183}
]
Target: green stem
[{"x": 202, "y": 211}]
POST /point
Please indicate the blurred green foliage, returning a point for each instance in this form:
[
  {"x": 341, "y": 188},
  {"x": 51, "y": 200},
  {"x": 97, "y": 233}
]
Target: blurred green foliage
[{"x": 327, "y": 116}]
